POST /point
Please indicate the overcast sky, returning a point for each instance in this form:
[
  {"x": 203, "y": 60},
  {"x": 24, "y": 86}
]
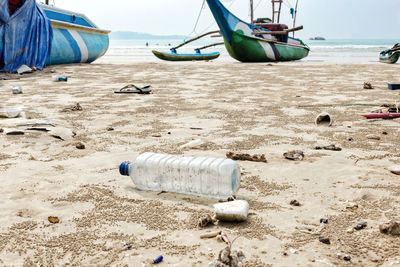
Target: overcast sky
[{"x": 362, "y": 19}]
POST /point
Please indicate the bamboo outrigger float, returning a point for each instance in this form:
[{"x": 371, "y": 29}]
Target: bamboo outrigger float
[
  {"x": 175, "y": 56},
  {"x": 258, "y": 41}
]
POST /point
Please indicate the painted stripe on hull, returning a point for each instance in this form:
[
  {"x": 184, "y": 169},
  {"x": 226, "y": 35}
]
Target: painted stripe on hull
[
  {"x": 81, "y": 44},
  {"x": 73, "y": 44}
]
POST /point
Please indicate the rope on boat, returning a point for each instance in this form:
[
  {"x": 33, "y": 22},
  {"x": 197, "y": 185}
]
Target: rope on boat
[{"x": 198, "y": 18}]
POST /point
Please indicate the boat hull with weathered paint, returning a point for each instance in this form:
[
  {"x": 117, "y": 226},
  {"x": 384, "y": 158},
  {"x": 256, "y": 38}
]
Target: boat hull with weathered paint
[
  {"x": 244, "y": 46},
  {"x": 76, "y": 39},
  {"x": 390, "y": 57},
  {"x": 185, "y": 57}
]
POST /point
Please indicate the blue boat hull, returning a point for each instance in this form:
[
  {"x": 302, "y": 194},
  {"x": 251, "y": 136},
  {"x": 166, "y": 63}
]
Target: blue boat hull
[
  {"x": 76, "y": 39},
  {"x": 76, "y": 46}
]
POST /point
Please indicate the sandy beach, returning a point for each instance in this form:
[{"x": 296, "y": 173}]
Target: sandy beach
[{"x": 246, "y": 108}]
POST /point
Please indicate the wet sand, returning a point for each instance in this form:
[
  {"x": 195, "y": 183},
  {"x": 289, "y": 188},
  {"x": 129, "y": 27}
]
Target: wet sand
[{"x": 247, "y": 108}]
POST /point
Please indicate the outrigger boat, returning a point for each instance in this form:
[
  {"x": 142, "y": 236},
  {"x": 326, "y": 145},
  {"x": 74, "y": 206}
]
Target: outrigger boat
[
  {"x": 39, "y": 34},
  {"x": 391, "y": 55},
  {"x": 175, "y": 56},
  {"x": 258, "y": 41}
]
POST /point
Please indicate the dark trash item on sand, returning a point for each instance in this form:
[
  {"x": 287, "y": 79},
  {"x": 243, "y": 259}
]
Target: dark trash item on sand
[
  {"x": 16, "y": 133},
  {"x": 38, "y": 129},
  {"x": 347, "y": 258},
  {"x": 393, "y": 86},
  {"x": 295, "y": 203},
  {"x": 323, "y": 220},
  {"x": 158, "y": 259},
  {"x": 324, "y": 240},
  {"x": 127, "y": 246},
  {"x": 80, "y": 145},
  {"x": 246, "y": 157},
  {"x": 294, "y": 155},
  {"x": 330, "y": 147},
  {"x": 360, "y": 226},
  {"x": 1, "y": 130},
  {"x": 390, "y": 228},
  {"x": 205, "y": 220},
  {"x": 368, "y": 85},
  {"x": 133, "y": 89}
]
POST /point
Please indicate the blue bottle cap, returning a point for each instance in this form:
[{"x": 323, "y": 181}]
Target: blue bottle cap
[
  {"x": 158, "y": 259},
  {"x": 124, "y": 168}
]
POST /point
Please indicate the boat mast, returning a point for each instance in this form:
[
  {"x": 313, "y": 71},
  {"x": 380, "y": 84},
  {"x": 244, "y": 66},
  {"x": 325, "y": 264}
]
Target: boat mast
[
  {"x": 251, "y": 12},
  {"x": 276, "y": 11},
  {"x": 295, "y": 16}
]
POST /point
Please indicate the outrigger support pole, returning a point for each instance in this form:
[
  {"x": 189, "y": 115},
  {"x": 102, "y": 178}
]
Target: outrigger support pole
[
  {"x": 194, "y": 39},
  {"x": 211, "y": 45}
]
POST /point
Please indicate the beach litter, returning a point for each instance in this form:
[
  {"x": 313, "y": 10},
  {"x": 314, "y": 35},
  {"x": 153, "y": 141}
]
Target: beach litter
[
  {"x": 76, "y": 107},
  {"x": 373, "y": 137},
  {"x": 246, "y": 157},
  {"x": 390, "y": 228},
  {"x": 205, "y": 220},
  {"x": 329, "y": 147},
  {"x": 158, "y": 259},
  {"x": 324, "y": 240},
  {"x": 368, "y": 85},
  {"x": 36, "y": 124},
  {"x": 60, "y": 78},
  {"x": 24, "y": 69},
  {"x": 15, "y": 133},
  {"x": 233, "y": 211},
  {"x": 10, "y": 112},
  {"x": 193, "y": 144},
  {"x": 210, "y": 235},
  {"x": 393, "y": 86},
  {"x": 127, "y": 246},
  {"x": 38, "y": 129},
  {"x": 80, "y": 146},
  {"x": 16, "y": 90},
  {"x": 324, "y": 118},
  {"x": 323, "y": 220},
  {"x": 133, "y": 89},
  {"x": 395, "y": 169},
  {"x": 228, "y": 257},
  {"x": 294, "y": 155},
  {"x": 360, "y": 226},
  {"x": 63, "y": 134},
  {"x": 295, "y": 203},
  {"x": 53, "y": 219}
]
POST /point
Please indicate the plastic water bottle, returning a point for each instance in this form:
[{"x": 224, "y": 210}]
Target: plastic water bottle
[
  {"x": 201, "y": 176},
  {"x": 60, "y": 78}
]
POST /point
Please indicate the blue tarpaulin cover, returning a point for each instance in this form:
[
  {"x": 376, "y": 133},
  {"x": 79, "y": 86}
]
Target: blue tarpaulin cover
[{"x": 25, "y": 36}]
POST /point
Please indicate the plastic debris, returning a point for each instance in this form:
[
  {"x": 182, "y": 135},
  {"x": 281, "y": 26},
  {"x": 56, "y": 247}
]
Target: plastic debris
[
  {"x": 324, "y": 118},
  {"x": 294, "y": 155},
  {"x": 395, "y": 169},
  {"x": 330, "y": 147},
  {"x": 158, "y": 259},
  {"x": 295, "y": 203},
  {"x": 10, "y": 112},
  {"x": 324, "y": 240},
  {"x": 193, "y": 144},
  {"x": 210, "y": 235},
  {"x": 24, "y": 69},
  {"x": 233, "y": 211},
  {"x": 360, "y": 226},
  {"x": 17, "y": 90},
  {"x": 323, "y": 220},
  {"x": 246, "y": 157},
  {"x": 60, "y": 78},
  {"x": 205, "y": 220}
]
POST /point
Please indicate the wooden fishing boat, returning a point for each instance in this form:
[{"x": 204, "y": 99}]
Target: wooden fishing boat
[
  {"x": 390, "y": 56},
  {"x": 248, "y": 42},
  {"x": 185, "y": 57},
  {"x": 36, "y": 35},
  {"x": 76, "y": 39},
  {"x": 175, "y": 56}
]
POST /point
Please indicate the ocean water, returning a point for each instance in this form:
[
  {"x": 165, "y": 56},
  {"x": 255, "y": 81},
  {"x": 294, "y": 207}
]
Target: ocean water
[{"x": 338, "y": 50}]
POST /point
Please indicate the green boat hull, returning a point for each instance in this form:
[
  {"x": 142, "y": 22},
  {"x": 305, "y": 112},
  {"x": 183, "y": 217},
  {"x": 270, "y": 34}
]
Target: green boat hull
[
  {"x": 184, "y": 57},
  {"x": 248, "y": 49},
  {"x": 389, "y": 57}
]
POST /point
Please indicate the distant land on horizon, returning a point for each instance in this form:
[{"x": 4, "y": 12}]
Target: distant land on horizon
[{"x": 126, "y": 35}]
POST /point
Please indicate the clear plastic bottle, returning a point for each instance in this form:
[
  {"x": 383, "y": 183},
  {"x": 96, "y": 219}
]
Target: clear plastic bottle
[{"x": 201, "y": 176}]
